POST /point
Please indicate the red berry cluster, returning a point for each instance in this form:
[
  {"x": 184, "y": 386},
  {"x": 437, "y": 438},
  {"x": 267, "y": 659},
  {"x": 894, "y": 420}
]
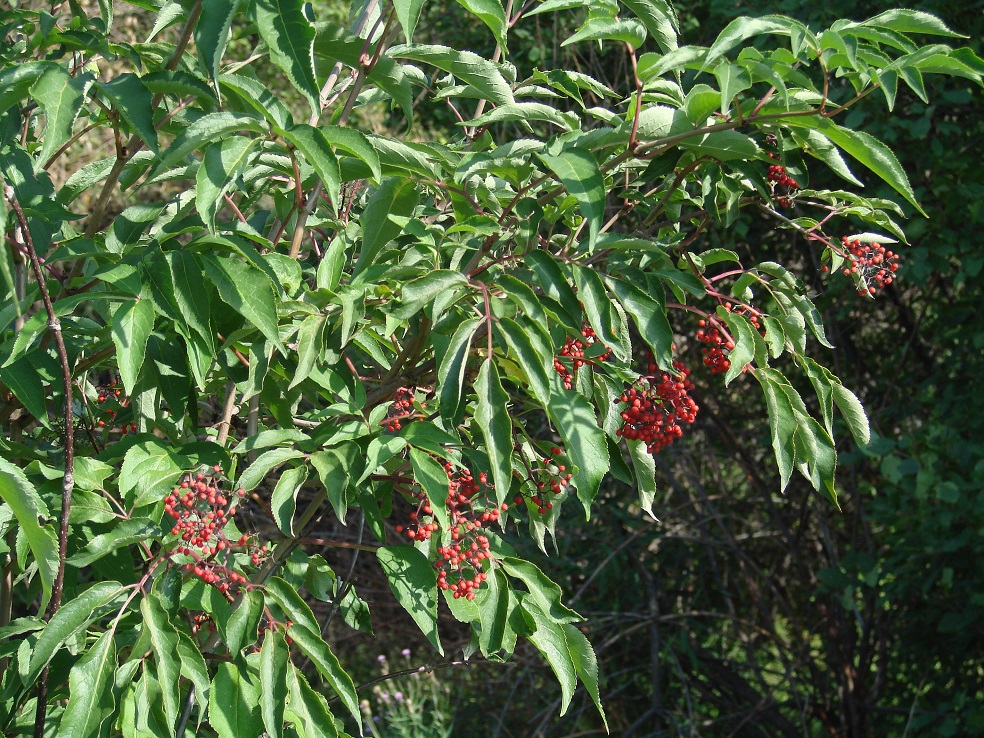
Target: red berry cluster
[
  {"x": 778, "y": 174},
  {"x": 110, "y": 399},
  {"x": 653, "y": 413},
  {"x": 470, "y": 506},
  {"x": 714, "y": 357},
  {"x": 201, "y": 509},
  {"x": 574, "y": 349},
  {"x": 548, "y": 476},
  {"x": 874, "y": 265},
  {"x": 401, "y": 409},
  {"x": 203, "y": 620}
]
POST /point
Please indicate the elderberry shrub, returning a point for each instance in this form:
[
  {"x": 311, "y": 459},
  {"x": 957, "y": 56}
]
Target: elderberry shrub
[{"x": 654, "y": 410}]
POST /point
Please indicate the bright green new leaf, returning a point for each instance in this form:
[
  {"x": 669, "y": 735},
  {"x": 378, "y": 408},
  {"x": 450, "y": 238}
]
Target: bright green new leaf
[
  {"x": 223, "y": 162},
  {"x": 212, "y": 33},
  {"x": 408, "y": 12},
  {"x": 60, "y": 96},
  {"x": 164, "y": 642},
  {"x": 467, "y": 66},
  {"x": 451, "y": 370},
  {"x": 284, "y": 499},
  {"x": 660, "y": 19},
  {"x": 492, "y": 14}
]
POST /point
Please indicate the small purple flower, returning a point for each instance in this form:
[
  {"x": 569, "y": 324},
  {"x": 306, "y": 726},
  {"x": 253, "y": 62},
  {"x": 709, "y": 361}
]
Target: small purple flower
[
  {"x": 406, "y": 652},
  {"x": 398, "y": 696}
]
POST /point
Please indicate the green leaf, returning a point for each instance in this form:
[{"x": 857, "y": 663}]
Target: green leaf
[
  {"x": 132, "y": 323},
  {"x": 124, "y": 533},
  {"x": 904, "y": 20},
  {"x": 579, "y": 172},
  {"x": 273, "y": 682},
  {"x": 408, "y": 12},
  {"x": 414, "y": 583},
  {"x": 61, "y": 97},
  {"x": 627, "y": 31},
  {"x": 782, "y": 421},
  {"x": 432, "y": 478},
  {"x": 233, "y": 702},
  {"x": 293, "y": 605},
  {"x": 818, "y": 145},
  {"x": 381, "y": 449},
  {"x": 395, "y": 197},
  {"x": 356, "y": 143},
  {"x": 644, "y": 466},
  {"x": 574, "y": 418},
  {"x": 248, "y": 291},
  {"x": 544, "y": 592},
  {"x": 16, "y": 81},
  {"x": 649, "y": 314},
  {"x": 314, "y": 647},
  {"x": 660, "y": 20},
  {"x": 467, "y": 66},
  {"x": 289, "y": 33},
  {"x": 264, "y": 464},
  {"x": 334, "y": 475},
  {"x": 853, "y": 413},
  {"x": 311, "y": 142},
  {"x": 745, "y": 339},
  {"x": 223, "y": 162},
  {"x": 866, "y": 149},
  {"x": 491, "y": 13},
  {"x": 212, "y": 33},
  {"x": 284, "y": 499},
  {"x": 18, "y": 492},
  {"x": 255, "y": 94},
  {"x": 451, "y": 370},
  {"x": 522, "y": 351},
  {"x": 556, "y": 286},
  {"x": 89, "y": 686},
  {"x": 73, "y": 617},
  {"x": 203, "y": 131},
  {"x": 549, "y": 639},
  {"x": 585, "y": 664},
  {"x": 192, "y": 301},
  {"x": 495, "y": 425},
  {"x": 135, "y": 104},
  {"x": 240, "y": 630},
  {"x": 193, "y": 667},
  {"x": 417, "y": 293},
  {"x": 493, "y": 602},
  {"x": 309, "y": 707},
  {"x": 164, "y": 642},
  {"x": 310, "y": 344},
  {"x": 743, "y": 28},
  {"x": 599, "y": 311}
]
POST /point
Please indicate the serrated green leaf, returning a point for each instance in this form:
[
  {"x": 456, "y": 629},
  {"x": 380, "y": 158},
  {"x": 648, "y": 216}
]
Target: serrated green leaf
[
  {"x": 396, "y": 197},
  {"x": 309, "y": 707},
  {"x": 264, "y": 464},
  {"x": 905, "y": 20},
  {"x": 334, "y": 476},
  {"x": 451, "y": 370},
  {"x": 124, "y": 533},
  {"x": 273, "y": 682},
  {"x": 579, "y": 172},
  {"x": 132, "y": 323},
  {"x": 257, "y": 96},
  {"x": 549, "y": 639},
  {"x": 585, "y": 664},
  {"x": 660, "y": 20},
  {"x": 313, "y": 144},
  {"x": 414, "y": 584},
  {"x": 89, "y": 687},
  {"x": 223, "y": 162},
  {"x": 467, "y": 66},
  {"x": 492, "y": 416},
  {"x": 61, "y": 97},
  {"x": 649, "y": 314},
  {"x": 135, "y": 103},
  {"x": 574, "y": 418},
  {"x": 289, "y": 34},
  {"x": 522, "y": 351},
  {"x": 212, "y": 33},
  {"x": 432, "y": 478},
  {"x": 546, "y": 593},
  {"x": 284, "y": 499},
  {"x": 203, "y": 131},
  {"x": 73, "y": 617},
  {"x": 492, "y": 14},
  {"x": 164, "y": 642},
  {"x": 853, "y": 413},
  {"x": 240, "y": 630},
  {"x": 314, "y": 647},
  {"x": 782, "y": 421},
  {"x": 193, "y": 668},
  {"x": 356, "y": 143},
  {"x": 248, "y": 291},
  {"x": 627, "y": 31},
  {"x": 644, "y": 471},
  {"x": 233, "y": 703},
  {"x": 417, "y": 293},
  {"x": 18, "y": 492},
  {"x": 598, "y": 309}
]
